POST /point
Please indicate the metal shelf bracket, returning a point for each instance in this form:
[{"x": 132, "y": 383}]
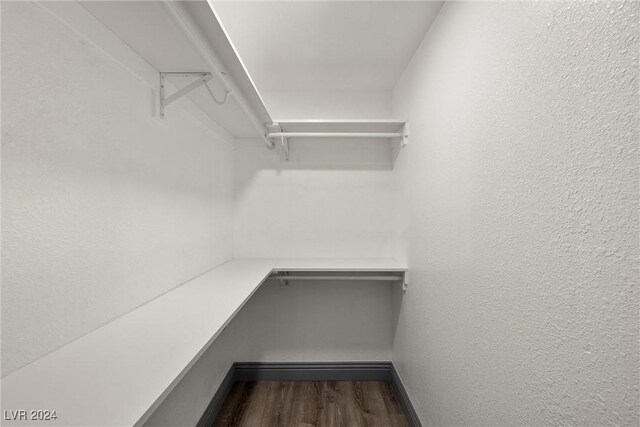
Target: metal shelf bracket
[
  {"x": 201, "y": 79},
  {"x": 285, "y": 147},
  {"x": 404, "y": 139}
]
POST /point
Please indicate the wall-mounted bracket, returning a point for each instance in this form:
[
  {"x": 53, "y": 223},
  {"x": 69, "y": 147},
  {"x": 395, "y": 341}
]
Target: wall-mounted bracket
[
  {"x": 284, "y": 142},
  {"x": 405, "y": 135},
  {"x": 403, "y": 138},
  {"x": 282, "y": 277},
  {"x": 405, "y": 281},
  {"x": 285, "y": 147},
  {"x": 201, "y": 79}
]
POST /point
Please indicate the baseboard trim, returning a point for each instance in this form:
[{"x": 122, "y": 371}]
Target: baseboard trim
[
  {"x": 302, "y": 371},
  {"x": 403, "y": 398},
  {"x": 346, "y": 371},
  {"x": 210, "y": 414}
]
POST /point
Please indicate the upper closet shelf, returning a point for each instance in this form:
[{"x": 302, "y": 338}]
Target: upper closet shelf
[
  {"x": 189, "y": 48},
  {"x": 187, "y": 45},
  {"x": 395, "y": 130}
]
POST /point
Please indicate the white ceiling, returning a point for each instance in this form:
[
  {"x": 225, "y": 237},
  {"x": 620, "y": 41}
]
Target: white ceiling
[{"x": 322, "y": 45}]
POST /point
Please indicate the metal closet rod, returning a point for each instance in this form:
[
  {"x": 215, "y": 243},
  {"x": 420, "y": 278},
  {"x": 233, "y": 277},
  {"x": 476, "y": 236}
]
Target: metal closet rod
[
  {"x": 387, "y": 278},
  {"x": 335, "y": 135}
]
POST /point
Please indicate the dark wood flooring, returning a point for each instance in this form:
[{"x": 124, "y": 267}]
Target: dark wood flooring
[{"x": 311, "y": 403}]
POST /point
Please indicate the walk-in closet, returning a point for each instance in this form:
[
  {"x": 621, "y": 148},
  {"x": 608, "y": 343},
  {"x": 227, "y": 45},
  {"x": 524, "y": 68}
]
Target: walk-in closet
[{"x": 320, "y": 213}]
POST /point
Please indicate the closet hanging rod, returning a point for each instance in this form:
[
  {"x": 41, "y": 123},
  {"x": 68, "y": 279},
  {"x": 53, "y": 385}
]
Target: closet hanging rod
[
  {"x": 336, "y": 135},
  {"x": 325, "y": 277}
]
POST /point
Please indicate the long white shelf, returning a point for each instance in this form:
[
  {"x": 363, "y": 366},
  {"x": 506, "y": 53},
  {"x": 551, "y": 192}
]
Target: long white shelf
[
  {"x": 341, "y": 125},
  {"x": 282, "y": 130},
  {"x": 118, "y": 374},
  {"x": 391, "y": 129},
  {"x": 339, "y": 265}
]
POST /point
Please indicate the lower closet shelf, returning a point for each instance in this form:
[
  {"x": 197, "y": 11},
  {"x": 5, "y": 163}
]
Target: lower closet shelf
[
  {"x": 118, "y": 374},
  {"x": 339, "y": 264}
]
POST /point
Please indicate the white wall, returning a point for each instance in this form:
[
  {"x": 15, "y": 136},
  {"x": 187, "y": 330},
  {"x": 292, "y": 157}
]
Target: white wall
[
  {"x": 104, "y": 206},
  {"x": 332, "y": 199},
  {"x": 518, "y": 198},
  {"x": 328, "y": 104},
  {"x": 311, "y": 321}
]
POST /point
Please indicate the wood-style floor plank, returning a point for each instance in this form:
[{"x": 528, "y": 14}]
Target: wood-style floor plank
[
  {"x": 328, "y": 416},
  {"x": 311, "y": 403}
]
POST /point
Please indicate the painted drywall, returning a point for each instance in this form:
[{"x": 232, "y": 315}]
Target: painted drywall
[
  {"x": 328, "y": 104},
  {"x": 333, "y": 199},
  {"x": 518, "y": 215},
  {"x": 310, "y": 321},
  {"x": 104, "y": 205}
]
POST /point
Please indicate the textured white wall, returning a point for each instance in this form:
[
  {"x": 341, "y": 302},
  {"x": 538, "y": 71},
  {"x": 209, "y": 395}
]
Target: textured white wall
[
  {"x": 317, "y": 321},
  {"x": 104, "y": 206},
  {"x": 332, "y": 199},
  {"x": 519, "y": 200},
  {"x": 328, "y": 104}
]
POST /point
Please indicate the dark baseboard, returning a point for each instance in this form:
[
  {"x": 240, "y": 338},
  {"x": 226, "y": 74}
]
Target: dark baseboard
[
  {"x": 403, "y": 398},
  {"x": 301, "y": 371},
  {"x": 345, "y": 371},
  {"x": 209, "y": 417}
]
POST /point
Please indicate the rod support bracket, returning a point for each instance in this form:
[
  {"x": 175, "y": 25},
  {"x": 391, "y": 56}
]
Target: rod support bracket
[
  {"x": 404, "y": 139},
  {"x": 201, "y": 79},
  {"x": 284, "y": 141},
  {"x": 284, "y": 281},
  {"x": 285, "y": 147}
]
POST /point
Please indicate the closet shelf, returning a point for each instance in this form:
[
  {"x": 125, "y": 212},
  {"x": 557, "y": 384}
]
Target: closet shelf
[
  {"x": 372, "y": 269},
  {"x": 186, "y": 42},
  {"x": 394, "y": 130},
  {"x": 121, "y": 372},
  {"x": 339, "y": 265}
]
